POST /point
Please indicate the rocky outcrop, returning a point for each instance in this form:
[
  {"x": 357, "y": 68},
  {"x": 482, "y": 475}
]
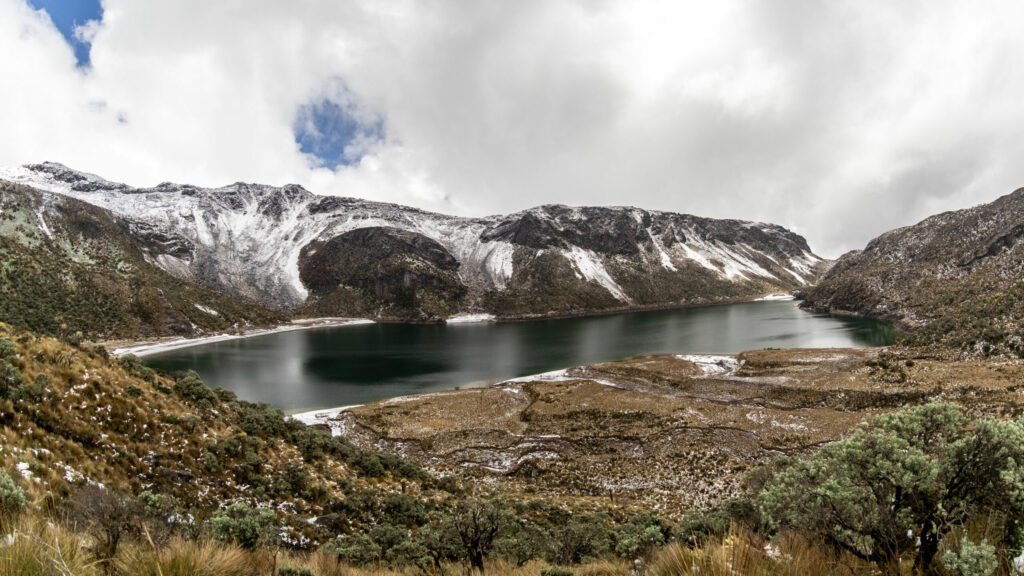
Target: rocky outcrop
[
  {"x": 381, "y": 271},
  {"x": 264, "y": 242}
]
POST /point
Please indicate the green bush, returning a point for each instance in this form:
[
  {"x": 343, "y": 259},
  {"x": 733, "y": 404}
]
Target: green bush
[
  {"x": 972, "y": 559},
  {"x": 7, "y": 349},
  {"x": 12, "y": 497},
  {"x": 10, "y": 375},
  {"x": 192, "y": 389},
  {"x": 358, "y": 549},
  {"x": 901, "y": 482},
  {"x": 244, "y": 525},
  {"x": 260, "y": 420}
]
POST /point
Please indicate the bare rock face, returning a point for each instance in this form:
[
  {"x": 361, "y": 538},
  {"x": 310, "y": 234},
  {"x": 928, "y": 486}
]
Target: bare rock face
[
  {"x": 290, "y": 249},
  {"x": 367, "y": 269},
  {"x": 954, "y": 278}
]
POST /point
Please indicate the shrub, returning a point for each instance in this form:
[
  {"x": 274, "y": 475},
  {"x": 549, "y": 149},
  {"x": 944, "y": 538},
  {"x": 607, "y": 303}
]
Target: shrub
[
  {"x": 7, "y": 349},
  {"x": 10, "y": 378},
  {"x": 404, "y": 509},
  {"x": 34, "y": 392},
  {"x": 638, "y": 540},
  {"x": 244, "y": 525},
  {"x": 135, "y": 366},
  {"x": 972, "y": 559},
  {"x": 355, "y": 549},
  {"x": 901, "y": 482},
  {"x": 261, "y": 420},
  {"x": 582, "y": 539},
  {"x": 191, "y": 388},
  {"x": 107, "y": 516},
  {"x": 12, "y": 497}
]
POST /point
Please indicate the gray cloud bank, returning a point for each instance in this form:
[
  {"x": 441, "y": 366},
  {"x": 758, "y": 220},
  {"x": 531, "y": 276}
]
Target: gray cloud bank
[{"x": 838, "y": 119}]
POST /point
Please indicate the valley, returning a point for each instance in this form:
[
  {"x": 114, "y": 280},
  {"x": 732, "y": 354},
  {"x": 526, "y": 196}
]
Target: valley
[
  {"x": 427, "y": 356},
  {"x": 672, "y": 433}
]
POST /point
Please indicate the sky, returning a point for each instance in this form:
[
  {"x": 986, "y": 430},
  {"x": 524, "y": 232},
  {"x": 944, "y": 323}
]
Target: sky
[{"x": 839, "y": 119}]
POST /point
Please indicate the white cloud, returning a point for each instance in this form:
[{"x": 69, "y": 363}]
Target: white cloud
[{"x": 840, "y": 120}]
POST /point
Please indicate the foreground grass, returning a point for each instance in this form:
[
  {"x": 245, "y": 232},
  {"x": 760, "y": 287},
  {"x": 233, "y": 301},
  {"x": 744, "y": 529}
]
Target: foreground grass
[{"x": 36, "y": 547}]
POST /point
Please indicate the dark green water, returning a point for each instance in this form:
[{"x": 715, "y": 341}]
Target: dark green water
[{"x": 326, "y": 367}]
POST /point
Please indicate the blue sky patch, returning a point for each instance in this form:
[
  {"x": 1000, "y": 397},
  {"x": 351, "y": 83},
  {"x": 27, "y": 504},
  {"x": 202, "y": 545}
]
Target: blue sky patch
[
  {"x": 68, "y": 15},
  {"x": 335, "y": 134}
]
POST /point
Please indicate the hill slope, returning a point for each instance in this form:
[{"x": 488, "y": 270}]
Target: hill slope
[
  {"x": 291, "y": 249},
  {"x": 955, "y": 279},
  {"x": 69, "y": 266}
]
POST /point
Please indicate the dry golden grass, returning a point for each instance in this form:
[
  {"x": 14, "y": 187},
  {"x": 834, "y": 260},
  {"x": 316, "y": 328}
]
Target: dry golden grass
[
  {"x": 36, "y": 547},
  {"x": 185, "y": 558},
  {"x": 740, "y": 552},
  {"x": 31, "y": 548}
]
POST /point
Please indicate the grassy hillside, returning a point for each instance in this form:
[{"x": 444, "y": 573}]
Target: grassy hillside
[
  {"x": 99, "y": 446},
  {"x": 67, "y": 267}
]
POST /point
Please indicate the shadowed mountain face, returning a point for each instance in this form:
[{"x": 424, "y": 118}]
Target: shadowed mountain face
[
  {"x": 381, "y": 271},
  {"x": 293, "y": 250},
  {"x": 955, "y": 278}
]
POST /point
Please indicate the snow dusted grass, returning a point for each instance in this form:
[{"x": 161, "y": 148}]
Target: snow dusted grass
[{"x": 712, "y": 365}]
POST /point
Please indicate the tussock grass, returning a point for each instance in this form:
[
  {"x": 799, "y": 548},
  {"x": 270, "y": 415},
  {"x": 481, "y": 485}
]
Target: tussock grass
[
  {"x": 185, "y": 558},
  {"x": 35, "y": 548},
  {"x": 742, "y": 552}
]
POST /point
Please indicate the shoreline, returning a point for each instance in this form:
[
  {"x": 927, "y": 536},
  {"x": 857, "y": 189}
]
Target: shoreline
[
  {"x": 710, "y": 364},
  {"x": 149, "y": 348},
  {"x": 142, "y": 348}
]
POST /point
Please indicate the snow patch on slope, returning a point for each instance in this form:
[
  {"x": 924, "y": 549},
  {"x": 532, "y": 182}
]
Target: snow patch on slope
[
  {"x": 206, "y": 309},
  {"x": 589, "y": 267},
  {"x": 712, "y": 365},
  {"x": 43, "y": 226}
]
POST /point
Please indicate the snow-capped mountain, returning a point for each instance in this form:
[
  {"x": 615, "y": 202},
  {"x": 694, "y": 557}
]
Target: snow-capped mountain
[{"x": 290, "y": 248}]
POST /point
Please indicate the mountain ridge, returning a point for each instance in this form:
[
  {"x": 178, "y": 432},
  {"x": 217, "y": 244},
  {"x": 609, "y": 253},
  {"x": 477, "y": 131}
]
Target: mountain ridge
[
  {"x": 954, "y": 278},
  {"x": 253, "y": 241}
]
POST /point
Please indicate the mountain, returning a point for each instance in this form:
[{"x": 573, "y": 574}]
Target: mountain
[
  {"x": 290, "y": 249},
  {"x": 69, "y": 266},
  {"x": 955, "y": 279}
]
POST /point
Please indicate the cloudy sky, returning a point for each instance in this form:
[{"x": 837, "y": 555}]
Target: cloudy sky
[{"x": 838, "y": 119}]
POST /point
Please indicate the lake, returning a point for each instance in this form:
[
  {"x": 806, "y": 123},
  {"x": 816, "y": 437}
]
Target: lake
[{"x": 341, "y": 366}]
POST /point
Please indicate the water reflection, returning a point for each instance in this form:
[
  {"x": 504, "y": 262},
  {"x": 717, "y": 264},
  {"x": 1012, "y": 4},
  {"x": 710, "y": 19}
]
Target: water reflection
[{"x": 357, "y": 364}]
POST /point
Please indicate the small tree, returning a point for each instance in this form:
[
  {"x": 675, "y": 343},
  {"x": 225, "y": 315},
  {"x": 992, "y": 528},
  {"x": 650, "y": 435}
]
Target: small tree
[
  {"x": 478, "y": 525},
  {"x": 107, "y": 516},
  {"x": 901, "y": 482}
]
